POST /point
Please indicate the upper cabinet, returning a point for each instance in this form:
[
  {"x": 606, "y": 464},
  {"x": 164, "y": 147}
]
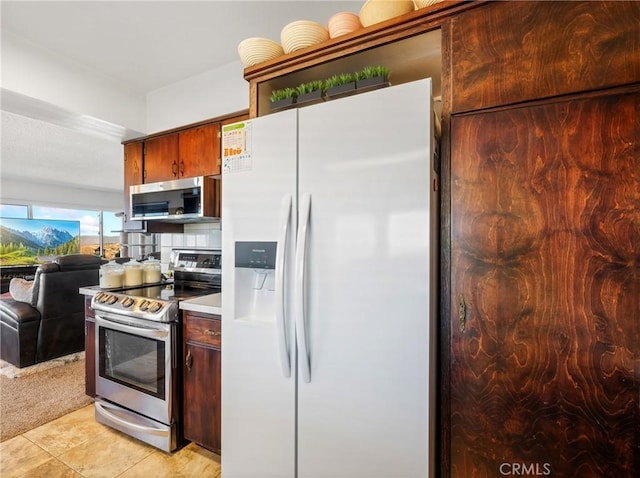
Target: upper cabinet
[
  {"x": 185, "y": 154},
  {"x": 133, "y": 155},
  {"x": 199, "y": 151},
  {"x": 161, "y": 159},
  {"x": 531, "y": 53}
]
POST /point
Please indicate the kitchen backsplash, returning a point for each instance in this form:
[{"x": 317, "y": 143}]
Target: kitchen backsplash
[{"x": 201, "y": 236}]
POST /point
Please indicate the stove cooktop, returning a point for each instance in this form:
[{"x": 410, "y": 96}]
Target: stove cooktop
[{"x": 173, "y": 291}]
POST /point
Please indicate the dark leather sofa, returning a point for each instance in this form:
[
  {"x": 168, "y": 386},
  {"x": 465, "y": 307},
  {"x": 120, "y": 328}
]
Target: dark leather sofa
[{"x": 49, "y": 323}]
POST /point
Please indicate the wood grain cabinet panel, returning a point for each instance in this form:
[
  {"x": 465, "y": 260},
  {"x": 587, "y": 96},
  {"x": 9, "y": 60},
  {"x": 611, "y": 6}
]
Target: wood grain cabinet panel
[
  {"x": 202, "y": 384},
  {"x": 89, "y": 348},
  {"x": 161, "y": 158},
  {"x": 204, "y": 330},
  {"x": 199, "y": 151},
  {"x": 509, "y": 52},
  {"x": 133, "y": 172},
  {"x": 545, "y": 288}
]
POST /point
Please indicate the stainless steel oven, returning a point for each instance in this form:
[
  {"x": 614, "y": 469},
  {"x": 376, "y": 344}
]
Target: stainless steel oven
[
  {"x": 137, "y": 375},
  {"x": 138, "y": 350}
]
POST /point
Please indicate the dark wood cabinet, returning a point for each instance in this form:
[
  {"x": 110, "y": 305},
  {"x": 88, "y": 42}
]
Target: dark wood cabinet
[
  {"x": 133, "y": 171},
  {"x": 161, "y": 159},
  {"x": 89, "y": 347},
  {"x": 509, "y": 52},
  {"x": 541, "y": 272},
  {"x": 202, "y": 361},
  {"x": 199, "y": 151},
  {"x": 185, "y": 152},
  {"x": 545, "y": 288}
]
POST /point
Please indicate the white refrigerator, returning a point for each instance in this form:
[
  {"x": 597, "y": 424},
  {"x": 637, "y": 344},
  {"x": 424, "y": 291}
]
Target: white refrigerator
[{"x": 329, "y": 230}]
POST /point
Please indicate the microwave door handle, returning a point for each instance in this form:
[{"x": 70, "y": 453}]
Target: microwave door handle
[
  {"x": 140, "y": 331},
  {"x": 281, "y": 250}
]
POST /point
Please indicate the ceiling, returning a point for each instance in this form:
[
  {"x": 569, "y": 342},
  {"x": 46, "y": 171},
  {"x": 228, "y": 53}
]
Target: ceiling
[
  {"x": 144, "y": 45},
  {"x": 150, "y": 44}
]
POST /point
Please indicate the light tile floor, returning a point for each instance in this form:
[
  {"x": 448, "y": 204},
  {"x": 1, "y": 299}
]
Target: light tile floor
[{"x": 75, "y": 445}]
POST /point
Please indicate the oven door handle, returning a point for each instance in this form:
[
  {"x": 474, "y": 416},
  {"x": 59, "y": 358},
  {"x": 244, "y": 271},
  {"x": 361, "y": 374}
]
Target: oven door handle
[
  {"x": 149, "y": 332},
  {"x": 103, "y": 409}
]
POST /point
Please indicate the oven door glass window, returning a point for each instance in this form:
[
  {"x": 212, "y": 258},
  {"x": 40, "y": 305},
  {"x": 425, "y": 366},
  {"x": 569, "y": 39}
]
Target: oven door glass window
[{"x": 134, "y": 361}]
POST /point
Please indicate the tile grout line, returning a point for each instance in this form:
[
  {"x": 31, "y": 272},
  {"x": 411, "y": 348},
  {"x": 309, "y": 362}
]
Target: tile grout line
[{"x": 51, "y": 455}]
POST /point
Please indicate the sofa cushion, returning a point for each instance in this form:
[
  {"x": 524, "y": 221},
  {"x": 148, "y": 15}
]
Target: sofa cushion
[
  {"x": 76, "y": 262},
  {"x": 22, "y": 290}
]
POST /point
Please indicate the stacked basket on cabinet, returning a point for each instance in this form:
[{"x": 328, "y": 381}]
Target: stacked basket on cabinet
[{"x": 302, "y": 34}]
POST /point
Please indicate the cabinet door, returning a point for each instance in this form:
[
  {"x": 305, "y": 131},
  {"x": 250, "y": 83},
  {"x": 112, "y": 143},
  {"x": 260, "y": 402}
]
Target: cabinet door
[
  {"x": 132, "y": 171},
  {"x": 89, "y": 348},
  {"x": 545, "y": 264},
  {"x": 200, "y": 151},
  {"x": 508, "y": 52},
  {"x": 161, "y": 159},
  {"x": 202, "y": 411}
]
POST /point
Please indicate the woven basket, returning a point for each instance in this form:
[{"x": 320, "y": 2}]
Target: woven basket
[
  {"x": 376, "y": 11},
  {"x": 302, "y": 34},
  {"x": 257, "y": 50},
  {"x": 425, "y": 3},
  {"x": 343, "y": 23}
]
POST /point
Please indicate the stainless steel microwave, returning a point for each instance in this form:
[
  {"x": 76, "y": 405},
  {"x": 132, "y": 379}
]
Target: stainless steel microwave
[{"x": 181, "y": 200}]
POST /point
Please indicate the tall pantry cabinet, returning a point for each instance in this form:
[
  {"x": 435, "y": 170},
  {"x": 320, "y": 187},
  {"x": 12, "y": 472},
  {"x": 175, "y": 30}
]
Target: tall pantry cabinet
[
  {"x": 541, "y": 352},
  {"x": 540, "y": 224}
]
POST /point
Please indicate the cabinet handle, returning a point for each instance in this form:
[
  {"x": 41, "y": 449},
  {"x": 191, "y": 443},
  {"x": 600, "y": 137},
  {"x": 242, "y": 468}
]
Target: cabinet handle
[
  {"x": 189, "y": 360},
  {"x": 462, "y": 313},
  {"x": 181, "y": 168},
  {"x": 212, "y": 333},
  {"x": 174, "y": 168}
]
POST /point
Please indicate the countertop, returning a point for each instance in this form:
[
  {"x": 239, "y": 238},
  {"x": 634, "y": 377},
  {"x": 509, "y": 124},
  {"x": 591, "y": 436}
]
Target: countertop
[
  {"x": 207, "y": 304},
  {"x": 90, "y": 290}
]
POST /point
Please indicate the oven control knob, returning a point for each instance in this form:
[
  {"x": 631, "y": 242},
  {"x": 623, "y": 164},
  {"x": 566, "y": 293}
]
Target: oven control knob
[
  {"x": 112, "y": 299},
  {"x": 144, "y": 305},
  {"x": 155, "y": 306},
  {"x": 127, "y": 302}
]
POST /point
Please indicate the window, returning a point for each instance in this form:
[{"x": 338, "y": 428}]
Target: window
[
  {"x": 14, "y": 210},
  {"x": 99, "y": 230}
]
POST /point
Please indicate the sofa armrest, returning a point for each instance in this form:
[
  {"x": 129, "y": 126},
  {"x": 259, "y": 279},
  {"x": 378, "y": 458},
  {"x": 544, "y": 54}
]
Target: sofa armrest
[{"x": 13, "y": 312}]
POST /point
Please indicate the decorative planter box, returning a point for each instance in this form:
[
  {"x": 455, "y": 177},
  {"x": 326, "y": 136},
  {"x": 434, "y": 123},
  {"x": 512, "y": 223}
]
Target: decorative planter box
[
  {"x": 341, "y": 89},
  {"x": 282, "y": 104},
  {"x": 314, "y": 96},
  {"x": 372, "y": 83}
]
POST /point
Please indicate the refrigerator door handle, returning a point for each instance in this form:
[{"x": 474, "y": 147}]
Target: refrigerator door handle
[
  {"x": 281, "y": 249},
  {"x": 301, "y": 323}
]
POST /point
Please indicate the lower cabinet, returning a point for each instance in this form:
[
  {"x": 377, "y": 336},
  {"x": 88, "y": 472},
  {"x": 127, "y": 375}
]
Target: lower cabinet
[
  {"x": 202, "y": 360},
  {"x": 89, "y": 348}
]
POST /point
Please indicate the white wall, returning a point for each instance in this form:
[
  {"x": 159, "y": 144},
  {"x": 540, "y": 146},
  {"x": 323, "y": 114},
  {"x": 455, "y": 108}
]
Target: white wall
[
  {"x": 56, "y": 79},
  {"x": 16, "y": 191},
  {"x": 210, "y": 94},
  {"x": 47, "y": 84}
]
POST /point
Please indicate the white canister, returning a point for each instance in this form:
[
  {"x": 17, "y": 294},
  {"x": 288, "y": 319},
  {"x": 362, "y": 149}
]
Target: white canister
[
  {"x": 151, "y": 273},
  {"x": 132, "y": 273},
  {"x": 111, "y": 275}
]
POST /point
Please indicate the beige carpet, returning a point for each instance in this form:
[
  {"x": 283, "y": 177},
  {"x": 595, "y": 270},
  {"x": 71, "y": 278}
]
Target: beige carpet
[{"x": 33, "y": 396}]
